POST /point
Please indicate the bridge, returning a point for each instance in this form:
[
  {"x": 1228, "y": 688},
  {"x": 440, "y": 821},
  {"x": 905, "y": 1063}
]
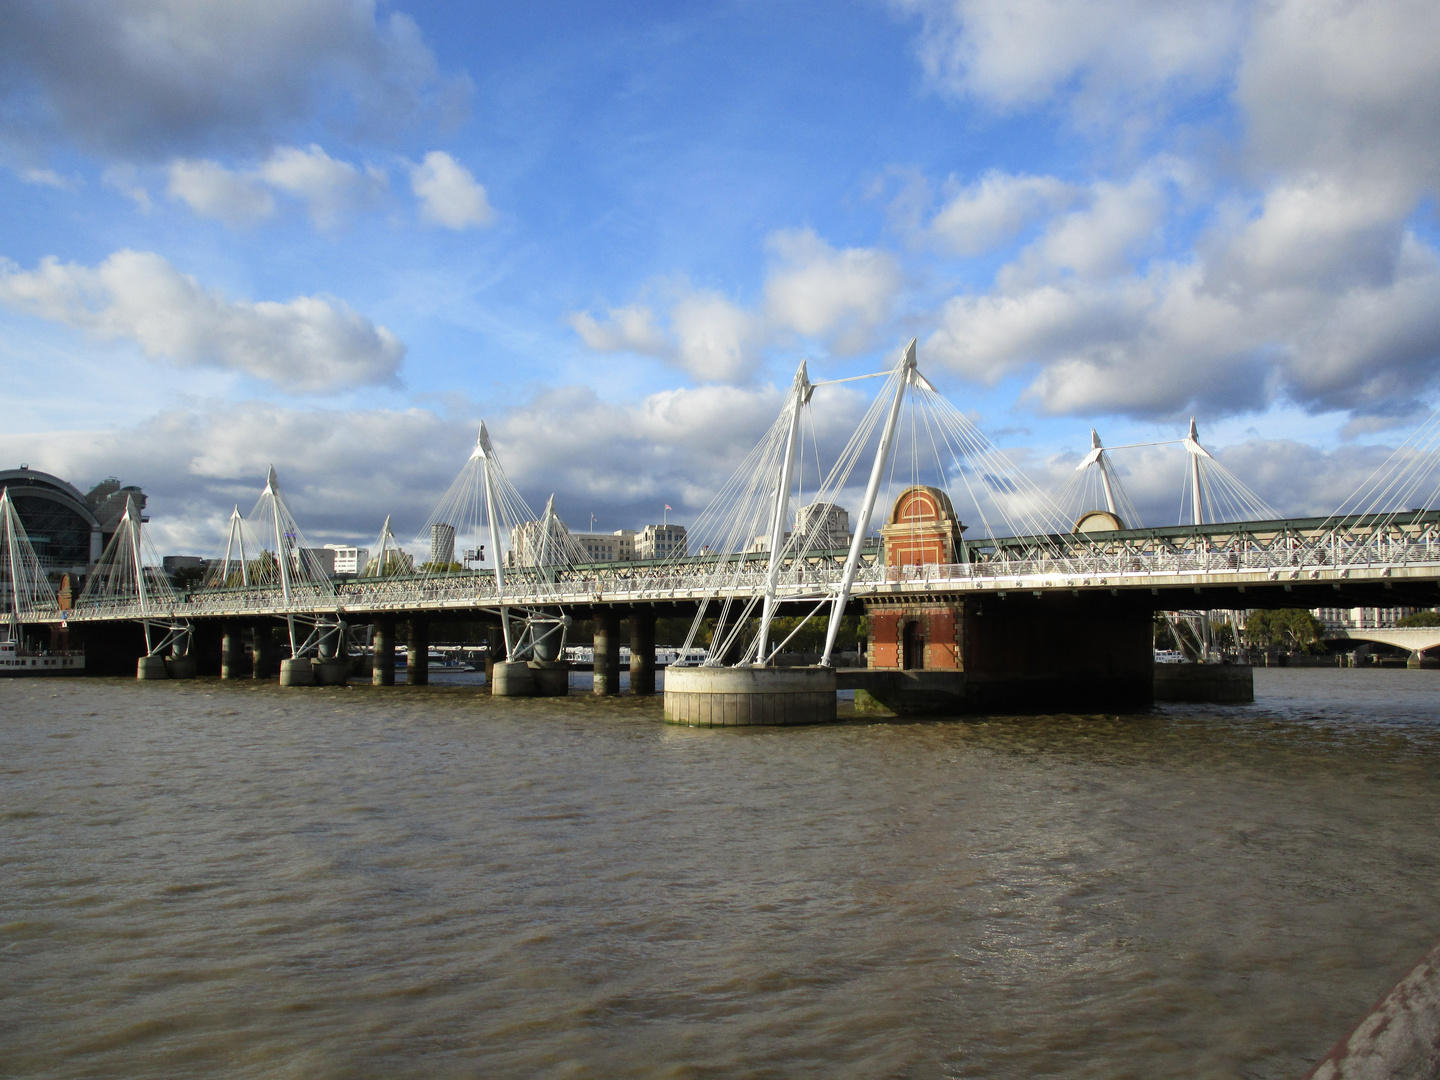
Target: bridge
[{"x": 745, "y": 565}]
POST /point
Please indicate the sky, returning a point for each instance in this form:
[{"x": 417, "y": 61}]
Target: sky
[{"x": 335, "y": 235}]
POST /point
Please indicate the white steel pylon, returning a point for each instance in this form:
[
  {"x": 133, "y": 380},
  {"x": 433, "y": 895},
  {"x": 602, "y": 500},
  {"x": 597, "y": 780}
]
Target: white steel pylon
[
  {"x": 27, "y": 590},
  {"x": 389, "y": 558},
  {"x": 129, "y": 574},
  {"x": 907, "y": 374},
  {"x": 801, "y": 391},
  {"x": 1080, "y": 496},
  {"x": 488, "y": 517},
  {"x": 232, "y": 570}
]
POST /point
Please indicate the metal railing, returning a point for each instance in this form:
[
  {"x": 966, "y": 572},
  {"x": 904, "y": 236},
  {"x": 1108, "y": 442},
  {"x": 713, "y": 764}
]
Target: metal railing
[{"x": 1335, "y": 555}]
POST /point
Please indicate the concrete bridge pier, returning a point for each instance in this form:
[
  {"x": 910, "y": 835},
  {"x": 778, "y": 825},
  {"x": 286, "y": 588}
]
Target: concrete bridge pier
[
  {"x": 382, "y": 648},
  {"x": 607, "y": 651},
  {"x": 749, "y": 696},
  {"x": 266, "y": 656},
  {"x": 642, "y": 651},
  {"x": 417, "y": 653}
]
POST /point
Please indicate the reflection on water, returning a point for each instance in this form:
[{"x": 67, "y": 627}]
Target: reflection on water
[{"x": 237, "y": 880}]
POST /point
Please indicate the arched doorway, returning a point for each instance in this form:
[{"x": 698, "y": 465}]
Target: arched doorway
[{"x": 913, "y": 647}]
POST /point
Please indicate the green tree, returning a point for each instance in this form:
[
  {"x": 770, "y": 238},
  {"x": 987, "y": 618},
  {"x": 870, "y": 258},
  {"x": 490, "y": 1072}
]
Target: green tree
[
  {"x": 1294, "y": 629},
  {"x": 1420, "y": 618}
]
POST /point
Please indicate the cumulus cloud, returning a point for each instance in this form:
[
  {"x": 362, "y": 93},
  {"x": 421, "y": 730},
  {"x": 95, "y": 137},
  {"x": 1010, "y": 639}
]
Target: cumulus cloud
[
  {"x": 715, "y": 338},
  {"x": 449, "y": 194},
  {"x": 625, "y": 329},
  {"x": 145, "y": 79},
  {"x": 213, "y": 191},
  {"x": 331, "y": 189},
  {"x": 310, "y": 343},
  {"x": 1318, "y": 285},
  {"x": 838, "y": 296},
  {"x": 1345, "y": 89},
  {"x": 981, "y": 215},
  {"x": 344, "y": 471},
  {"x": 816, "y": 290},
  {"x": 1021, "y": 53}
]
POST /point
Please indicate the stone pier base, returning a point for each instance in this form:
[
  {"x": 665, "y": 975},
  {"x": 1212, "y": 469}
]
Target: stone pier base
[
  {"x": 552, "y": 677},
  {"x": 151, "y": 667},
  {"x": 297, "y": 672},
  {"x": 1219, "y": 683},
  {"x": 512, "y": 678},
  {"x": 741, "y": 697}
]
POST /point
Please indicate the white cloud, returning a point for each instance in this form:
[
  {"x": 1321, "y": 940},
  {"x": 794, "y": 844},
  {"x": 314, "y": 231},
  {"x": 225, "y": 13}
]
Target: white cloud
[
  {"x": 449, "y": 195},
  {"x": 1118, "y": 222},
  {"x": 155, "y": 78},
  {"x": 1023, "y": 53},
  {"x": 310, "y": 343},
  {"x": 839, "y": 296},
  {"x": 343, "y": 471},
  {"x": 213, "y": 191},
  {"x": 331, "y": 189},
  {"x": 48, "y": 178},
  {"x": 626, "y": 329},
  {"x": 816, "y": 290},
  {"x": 715, "y": 339},
  {"x": 995, "y": 208},
  {"x": 1350, "y": 89}
]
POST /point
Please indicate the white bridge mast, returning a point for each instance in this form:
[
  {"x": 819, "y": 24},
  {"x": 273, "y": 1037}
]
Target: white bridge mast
[{"x": 907, "y": 373}]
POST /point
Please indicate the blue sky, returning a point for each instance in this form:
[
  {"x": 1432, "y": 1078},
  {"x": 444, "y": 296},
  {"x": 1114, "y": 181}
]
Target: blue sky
[{"x": 334, "y": 235}]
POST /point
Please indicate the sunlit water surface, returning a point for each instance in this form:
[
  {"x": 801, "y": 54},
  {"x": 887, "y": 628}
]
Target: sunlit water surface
[{"x": 235, "y": 880}]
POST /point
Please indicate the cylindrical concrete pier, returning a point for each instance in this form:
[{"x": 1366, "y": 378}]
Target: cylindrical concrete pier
[
  {"x": 642, "y": 651},
  {"x": 232, "y": 652},
  {"x": 266, "y": 656},
  {"x": 298, "y": 671},
  {"x": 512, "y": 678},
  {"x": 382, "y": 647},
  {"x": 552, "y": 677},
  {"x": 746, "y": 696},
  {"x": 151, "y": 667},
  {"x": 180, "y": 667},
  {"x": 334, "y": 671},
  {"x": 417, "y": 653},
  {"x": 607, "y": 651}
]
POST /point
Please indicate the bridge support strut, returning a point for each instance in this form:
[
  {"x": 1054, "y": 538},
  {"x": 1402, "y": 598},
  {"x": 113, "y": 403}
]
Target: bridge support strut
[
  {"x": 382, "y": 647},
  {"x": 607, "y": 651},
  {"x": 642, "y": 651}
]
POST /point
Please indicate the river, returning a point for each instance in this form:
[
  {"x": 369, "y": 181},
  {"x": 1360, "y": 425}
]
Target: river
[{"x": 235, "y": 880}]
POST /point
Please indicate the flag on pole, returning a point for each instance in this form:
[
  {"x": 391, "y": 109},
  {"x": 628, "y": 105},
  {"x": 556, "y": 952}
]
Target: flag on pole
[{"x": 669, "y": 507}]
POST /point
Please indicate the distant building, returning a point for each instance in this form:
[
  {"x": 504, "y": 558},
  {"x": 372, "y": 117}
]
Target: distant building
[
  {"x": 68, "y": 530},
  {"x": 1361, "y": 617},
  {"x": 533, "y": 543},
  {"x": 618, "y": 546},
  {"x": 442, "y": 545},
  {"x": 823, "y": 525},
  {"x": 349, "y": 561},
  {"x": 660, "y": 542},
  {"x": 323, "y": 556},
  {"x": 176, "y": 565}
]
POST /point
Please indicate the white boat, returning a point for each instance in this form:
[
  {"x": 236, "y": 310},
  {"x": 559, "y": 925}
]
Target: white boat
[{"x": 16, "y": 659}]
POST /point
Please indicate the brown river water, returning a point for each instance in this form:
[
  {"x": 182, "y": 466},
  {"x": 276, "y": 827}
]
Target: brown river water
[{"x": 234, "y": 880}]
